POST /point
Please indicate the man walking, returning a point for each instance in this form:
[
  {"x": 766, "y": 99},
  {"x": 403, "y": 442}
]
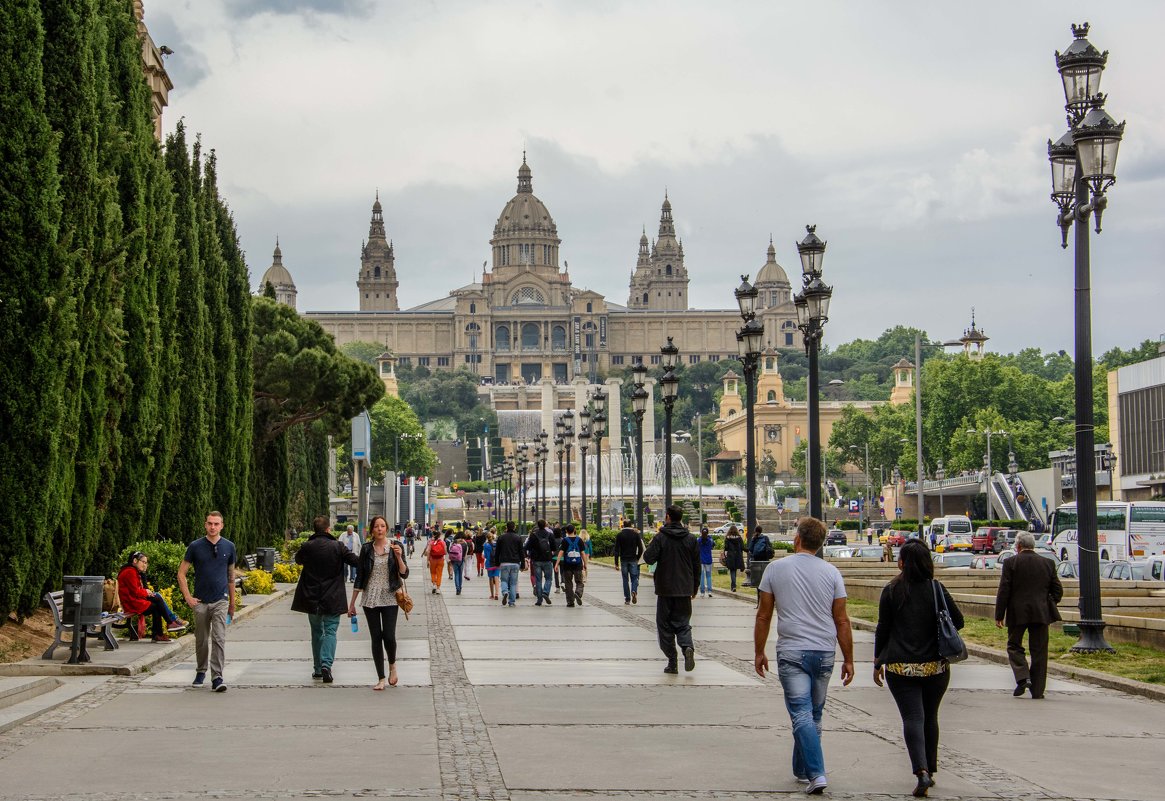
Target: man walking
[
  {"x": 572, "y": 562},
  {"x": 809, "y": 597},
  {"x": 508, "y": 557},
  {"x": 320, "y": 592},
  {"x": 628, "y": 550},
  {"x": 676, "y": 556},
  {"x": 351, "y": 541},
  {"x": 1029, "y": 590},
  {"x": 540, "y": 551},
  {"x": 213, "y": 602}
]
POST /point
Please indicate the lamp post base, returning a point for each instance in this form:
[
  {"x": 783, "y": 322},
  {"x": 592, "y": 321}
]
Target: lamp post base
[{"x": 1092, "y": 639}]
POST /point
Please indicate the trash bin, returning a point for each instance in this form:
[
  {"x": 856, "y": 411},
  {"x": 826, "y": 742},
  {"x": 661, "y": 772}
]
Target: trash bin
[
  {"x": 83, "y": 599},
  {"x": 756, "y": 569},
  {"x": 265, "y": 559}
]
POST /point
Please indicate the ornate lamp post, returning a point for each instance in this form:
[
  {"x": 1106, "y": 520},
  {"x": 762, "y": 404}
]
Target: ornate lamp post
[
  {"x": 669, "y": 386},
  {"x": 568, "y": 446},
  {"x": 598, "y": 428},
  {"x": 639, "y": 398},
  {"x": 559, "y": 448},
  {"x": 542, "y": 451},
  {"x": 749, "y": 339},
  {"x": 521, "y": 466},
  {"x": 584, "y": 441},
  {"x": 812, "y": 306},
  {"x": 940, "y": 474},
  {"x": 1083, "y": 167}
]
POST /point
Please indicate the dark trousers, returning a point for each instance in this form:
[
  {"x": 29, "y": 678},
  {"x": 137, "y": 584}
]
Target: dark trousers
[
  {"x": 572, "y": 583},
  {"x": 157, "y": 613},
  {"x": 382, "y": 630},
  {"x": 918, "y": 699},
  {"x": 673, "y": 623},
  {"x": 1037, "y": 644}
]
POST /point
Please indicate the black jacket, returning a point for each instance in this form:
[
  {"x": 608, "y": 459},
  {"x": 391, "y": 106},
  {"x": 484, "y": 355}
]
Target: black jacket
[
  {"x": 364, "y": 568},
  {"x": 1029, "y": 590},
  {"x": 508, "y": 550},
  {"x": 907, "y": 627},
  {"x": 734, "y": 552},
  {"x": 628, "y": 545},
  {"x": 540, "y": 545},
  {"x": 676, "y": 555},
  {"x": 321, "y": 590}
]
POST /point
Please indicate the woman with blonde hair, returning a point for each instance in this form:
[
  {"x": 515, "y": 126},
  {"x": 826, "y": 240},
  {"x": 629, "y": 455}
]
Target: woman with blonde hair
[{"x": 381, "y": 572}]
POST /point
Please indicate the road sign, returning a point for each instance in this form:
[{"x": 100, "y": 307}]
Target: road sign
[{"x": 898, "y": 512}]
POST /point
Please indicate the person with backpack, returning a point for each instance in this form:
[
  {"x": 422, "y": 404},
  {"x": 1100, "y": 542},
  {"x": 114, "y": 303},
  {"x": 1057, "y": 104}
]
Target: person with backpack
[
  {"x": 573, "y": 561},
  {"x": 456, "y": 554},
  {"x": 760, "y": 548},
  {"x": 706, "y": 544},
  {"x": 435, "y": 551},
  {"x": 540, "y": 551}
]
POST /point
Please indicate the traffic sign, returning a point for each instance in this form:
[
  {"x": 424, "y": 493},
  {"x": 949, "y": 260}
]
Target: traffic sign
[{"x": 898, "y": 512}]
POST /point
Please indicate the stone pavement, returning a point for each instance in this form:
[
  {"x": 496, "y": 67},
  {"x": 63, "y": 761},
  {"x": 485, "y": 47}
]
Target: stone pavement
[{"x": 554, "y": 703}]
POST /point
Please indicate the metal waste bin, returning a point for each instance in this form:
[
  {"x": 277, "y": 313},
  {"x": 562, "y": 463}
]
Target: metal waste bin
[
  {"x": 83, "y": 599},
  {"x": 756, "y": 569},
  {"x": 265, "y": 559}
]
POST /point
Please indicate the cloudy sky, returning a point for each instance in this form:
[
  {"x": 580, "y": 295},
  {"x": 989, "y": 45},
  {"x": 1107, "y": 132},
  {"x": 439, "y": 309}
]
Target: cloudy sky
[{"x": 913, "y": 133}]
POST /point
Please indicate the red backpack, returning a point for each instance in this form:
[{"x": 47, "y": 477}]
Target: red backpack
[{"x": 437, "y": 549}]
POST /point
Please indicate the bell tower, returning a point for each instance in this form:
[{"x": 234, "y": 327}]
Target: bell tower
[{"x": 377, "y": 280}]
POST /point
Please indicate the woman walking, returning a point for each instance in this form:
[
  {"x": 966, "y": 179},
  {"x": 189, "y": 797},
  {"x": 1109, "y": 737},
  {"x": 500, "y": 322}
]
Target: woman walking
[
  {"x": 733, "y": 555},
  {"x": 380, "y": 574},
  {"x": 705, "y": 542},
  {"x": 435, "y": 553},
  {"x": 491, "y": 571},
  {"x": 906, "y": 655}
]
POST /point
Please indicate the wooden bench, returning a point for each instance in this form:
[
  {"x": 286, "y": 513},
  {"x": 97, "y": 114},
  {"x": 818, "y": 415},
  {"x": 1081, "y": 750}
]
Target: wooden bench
[{"x": 102, "y": 630}]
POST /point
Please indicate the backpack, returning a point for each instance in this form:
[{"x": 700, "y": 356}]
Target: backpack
[
  {"x": 437, "y": 549},
  {"x": 573, "y": 547},
  {"x": 762, "y": 549},
  {"x": 545, "y": 545},
  {"x": 455, "y": 552}
]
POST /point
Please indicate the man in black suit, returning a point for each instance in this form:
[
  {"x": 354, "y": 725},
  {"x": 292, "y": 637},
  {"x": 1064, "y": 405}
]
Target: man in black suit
[{"x": 1028, "y": 593}]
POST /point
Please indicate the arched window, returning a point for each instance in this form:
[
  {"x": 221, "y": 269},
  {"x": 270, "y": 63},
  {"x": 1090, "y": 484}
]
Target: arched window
[
  {"x": 589, "y": 309},
  {"x": 668, "y": 270},
  {"x": 531, "y": 336},
  {"x": 770, "y": 362},
  {"x": 558, "y": 337},
  {"x": 473, "y": 308},
  {"x": 376, "y": 271},
  {"x": 502, "y": 337},
  {"x": 772, "y": 397},
  {"x": 527, "y": 296},
  {"x": 645, "y": 295},
  {"x": 732, "y": 413}
]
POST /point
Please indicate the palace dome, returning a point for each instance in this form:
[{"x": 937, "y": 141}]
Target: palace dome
[{"x": 525, "y": 214}]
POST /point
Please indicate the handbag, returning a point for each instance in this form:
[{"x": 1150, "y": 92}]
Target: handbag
[
  {"x": 950, "y": 645},
  {"x": 403, "y": 599}
]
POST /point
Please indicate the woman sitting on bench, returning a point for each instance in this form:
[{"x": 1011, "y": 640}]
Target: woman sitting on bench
[{"x": 137, "y": 600}]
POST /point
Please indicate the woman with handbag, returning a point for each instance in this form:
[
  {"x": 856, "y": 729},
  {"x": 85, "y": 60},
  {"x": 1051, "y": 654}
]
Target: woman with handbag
[
  {"x": 732, "y": 557},
  {"x": 912, "y": 652},
  {"x": 380, "y": 577}
]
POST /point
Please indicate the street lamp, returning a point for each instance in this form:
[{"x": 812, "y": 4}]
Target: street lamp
[
  {"x": 812, "y": 306},
  {"x": 568, "y": 446},
  {"x": 940, "y": 473},
  {"x": 584, "y": 442},
  {"x": 1083, "y": 167},
  {"x": 599, "y": 399},
  {"x": 896, "y": 477},
  {"x": 987, "y": 473},
  {"x": 1108, "y": 462},
  {"x": 542, "y": 451},
  {"x": 669, "y": 386},
  {"x": 560, "y": 450},
  {"x": 639, "y": 397},
  {"x": 749, "y": 340}
]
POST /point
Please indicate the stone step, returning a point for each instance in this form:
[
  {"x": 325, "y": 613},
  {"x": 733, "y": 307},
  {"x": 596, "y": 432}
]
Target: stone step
[{"x": 16, "y": 689}]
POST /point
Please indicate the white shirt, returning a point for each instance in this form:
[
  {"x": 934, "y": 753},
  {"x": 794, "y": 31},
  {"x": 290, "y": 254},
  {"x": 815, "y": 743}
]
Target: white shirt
[{"x": 805, "y": 588}]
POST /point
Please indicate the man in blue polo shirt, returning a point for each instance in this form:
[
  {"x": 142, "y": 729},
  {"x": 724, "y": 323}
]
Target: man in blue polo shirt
[{"x": 213, "y": 601}]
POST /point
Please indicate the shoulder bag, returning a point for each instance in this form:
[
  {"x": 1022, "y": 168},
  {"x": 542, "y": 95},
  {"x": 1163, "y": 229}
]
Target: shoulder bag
[{"x": 950, "y": 644}]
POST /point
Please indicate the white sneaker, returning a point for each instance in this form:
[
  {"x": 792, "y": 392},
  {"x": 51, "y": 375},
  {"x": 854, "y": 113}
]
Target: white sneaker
[{"x": 816, "y": 786}]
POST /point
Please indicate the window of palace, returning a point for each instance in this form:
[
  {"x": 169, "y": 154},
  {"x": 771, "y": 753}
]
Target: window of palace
[
  {"x": 694, "y": 358},
  {"x": 528, "y": 296},
  {"x": 423, "y": 361},
  {"x": 616, "y": 360},
  {"x": 376, "y": 271},
  {"x": 442, "y": 361},
  {"x": 558, "y": 337},
  {"x": 715, "y": 357},
  {"x": 772, "y": 396},
  {"x": 473, "y": 308},
  {"x": 645, "y": 296},
  {"x": 531, "y": 336},
  {"x": 656, "y": 359},
  {"x": 788, "y": 340},
  {"x": 668, "y": 270},
  {"x": 502, "y": 337}
]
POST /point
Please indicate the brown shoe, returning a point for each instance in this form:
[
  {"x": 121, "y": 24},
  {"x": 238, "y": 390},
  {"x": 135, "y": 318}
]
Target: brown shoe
[{"x": 160, "y": 638}]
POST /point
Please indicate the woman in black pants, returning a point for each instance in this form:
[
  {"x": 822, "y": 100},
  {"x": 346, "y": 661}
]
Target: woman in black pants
[
  {"x": 379, "y": 575},
  {"x": 906, "y": 654}
]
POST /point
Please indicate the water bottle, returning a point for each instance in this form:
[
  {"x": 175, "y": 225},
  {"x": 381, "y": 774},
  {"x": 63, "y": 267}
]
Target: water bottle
[
  {"x": 355, "y": 624},
  {"x": 228, "y": 618}
]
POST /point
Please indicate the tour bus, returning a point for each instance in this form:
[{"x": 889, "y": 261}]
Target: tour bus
[{"x": 1123, "y": 530}]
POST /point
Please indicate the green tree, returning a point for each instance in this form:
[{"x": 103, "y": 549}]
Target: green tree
[
  {"x": 1116, "y": 357},
  {"x": 391, "y": 418}
]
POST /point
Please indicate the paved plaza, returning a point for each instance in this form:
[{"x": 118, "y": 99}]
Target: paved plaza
[{"x": 555, "y": 703}]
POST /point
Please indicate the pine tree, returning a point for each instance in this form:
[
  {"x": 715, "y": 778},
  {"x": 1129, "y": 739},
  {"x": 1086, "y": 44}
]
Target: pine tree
[{"x": 34, "y": 308}]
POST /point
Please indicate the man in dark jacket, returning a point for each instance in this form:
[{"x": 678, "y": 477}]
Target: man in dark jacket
[
  {"x": 1029, "y": 590},
  {"x": 320, "y": 593},
  {"x": 628, "y": 549},
  {"x": 676, "y": 556},
  {"x": 508, "y": 557},
  {"x": 540, "y": 551}
]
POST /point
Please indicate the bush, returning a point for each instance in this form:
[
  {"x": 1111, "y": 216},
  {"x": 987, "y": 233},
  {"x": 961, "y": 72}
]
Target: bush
[
  {"x": 165, "y": 557},
  {"x": 602, "y": 540},
  {"x": 291, "y": 547},
  {"x": 258, "y": 582},
  {"x": 285, "y": 573}
]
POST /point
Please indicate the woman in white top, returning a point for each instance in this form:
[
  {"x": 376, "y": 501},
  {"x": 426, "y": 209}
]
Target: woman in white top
[{"x": 380, "y": 574}]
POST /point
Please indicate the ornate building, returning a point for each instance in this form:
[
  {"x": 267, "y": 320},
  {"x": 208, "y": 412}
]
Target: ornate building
[
  {"x": 525, "y": 320},
  {"x": 279, "y": 278}
]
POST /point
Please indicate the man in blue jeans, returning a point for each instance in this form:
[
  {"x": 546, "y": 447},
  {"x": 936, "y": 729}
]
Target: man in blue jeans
[
  {"x": 508, "y": 557},
  {"x": 540, "y": 551},
  {"x": 628, "y": 549},
  {"x": 809, "y": 597}
]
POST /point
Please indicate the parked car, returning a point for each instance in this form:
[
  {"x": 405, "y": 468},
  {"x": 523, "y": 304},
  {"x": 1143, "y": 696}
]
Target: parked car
[
  {"x": 835, "y": 536},
  {"x": 455, "y": 526},
  {"x": 983, "y": 562},
  {"x": 724, "y": 528},
  {"x": 1123, "y": 570},
  {"x": 953, "y": 559},
  {"x": 868, "y": 552},
  {"x": 1066, "y": 569},
  {"x": 837, "y": 552},
  {"x": 992, "y": 539},
  {"x": 1044, "y": 541},
  {"x": 1155, "y": 568},
  {"x": 953, "y": 543}
]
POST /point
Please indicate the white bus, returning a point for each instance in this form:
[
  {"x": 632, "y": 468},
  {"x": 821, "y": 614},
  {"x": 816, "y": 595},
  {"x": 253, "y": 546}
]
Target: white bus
[{"x": 1123, "y": 530}]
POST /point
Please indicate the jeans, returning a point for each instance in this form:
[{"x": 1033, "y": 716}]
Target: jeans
[
  {"x": 630, "y": 571},
  {"x": 509, "y": 582},
  {"x": 323, "y": 640},
  {"x": 804, "y": 678},
  {"x": 918, "y": 699},
  {"x": 158, "y": 612},
  {"x": 458, "y": 571},
  {"x": 706, "y": 578},
  {"x": 543, "y": 574},
  {"x": 732, "y": 578}
]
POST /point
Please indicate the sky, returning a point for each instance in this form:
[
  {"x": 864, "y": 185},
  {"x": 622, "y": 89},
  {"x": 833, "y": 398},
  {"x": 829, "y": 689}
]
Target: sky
[{"x": 912, "y": 133}]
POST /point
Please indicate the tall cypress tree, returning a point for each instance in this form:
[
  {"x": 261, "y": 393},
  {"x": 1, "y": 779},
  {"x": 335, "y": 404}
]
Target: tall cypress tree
[{"x": 36, "y": 307}]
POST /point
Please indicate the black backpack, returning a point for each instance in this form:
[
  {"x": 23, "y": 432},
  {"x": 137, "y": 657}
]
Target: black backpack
[{"x": 762, "y": 548}]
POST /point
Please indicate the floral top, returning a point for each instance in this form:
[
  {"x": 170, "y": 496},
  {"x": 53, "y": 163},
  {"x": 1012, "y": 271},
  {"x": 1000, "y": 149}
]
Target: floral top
[
  {"x": 918, "y": 669},
  {"x": 377, "y": 592}
]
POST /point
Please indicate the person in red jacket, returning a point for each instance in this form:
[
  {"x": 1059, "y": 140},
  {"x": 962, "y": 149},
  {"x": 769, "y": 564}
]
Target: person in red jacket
[{"x": 137, "y": 600}]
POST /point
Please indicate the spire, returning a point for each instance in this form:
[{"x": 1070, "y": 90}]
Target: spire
[
  {"x": 376, "y": 226},
  {"x": 525, "y": 182},
  {"x": 772, "y": 252},
  {"x": 643, "y": 243},
  {"x": 278, "y": 253},
  {"x": 667, "y": 227}
]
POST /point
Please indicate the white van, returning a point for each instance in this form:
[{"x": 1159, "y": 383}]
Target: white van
[{"x": 951, "y": 524}]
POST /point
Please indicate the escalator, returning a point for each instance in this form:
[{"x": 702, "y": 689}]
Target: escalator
[{"x": 1013, "y": 504}]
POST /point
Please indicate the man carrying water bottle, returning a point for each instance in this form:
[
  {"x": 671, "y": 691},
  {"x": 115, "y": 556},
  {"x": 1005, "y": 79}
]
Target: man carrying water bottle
[{"x": 320, "y": 593}]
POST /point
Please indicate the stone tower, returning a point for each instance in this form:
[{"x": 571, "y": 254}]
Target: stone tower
[
  {"x": 279, "y": 278},
  {"x": 973, "y": 340},
  {"x": 660, "y": 283},
  {"x": 377, "y": 281},
  {"x": 903, "y": 391}
]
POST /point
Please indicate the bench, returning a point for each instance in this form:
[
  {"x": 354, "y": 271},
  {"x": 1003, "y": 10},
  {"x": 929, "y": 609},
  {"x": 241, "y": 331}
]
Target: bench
[
  {"x": 102, "y": 630},
  {"x": 251, "y": 561}
]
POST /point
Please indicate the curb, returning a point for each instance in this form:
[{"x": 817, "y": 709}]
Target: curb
[{"x": 140, "y": 665}]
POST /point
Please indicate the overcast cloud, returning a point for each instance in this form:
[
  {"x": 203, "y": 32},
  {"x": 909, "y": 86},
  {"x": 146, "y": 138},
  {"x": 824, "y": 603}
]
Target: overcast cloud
[{"x": 912, "y": 133}]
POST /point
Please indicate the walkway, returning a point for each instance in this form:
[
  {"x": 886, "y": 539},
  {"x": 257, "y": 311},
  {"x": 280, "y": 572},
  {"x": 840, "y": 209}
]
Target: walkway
[{"x": 554, "y": 703}]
